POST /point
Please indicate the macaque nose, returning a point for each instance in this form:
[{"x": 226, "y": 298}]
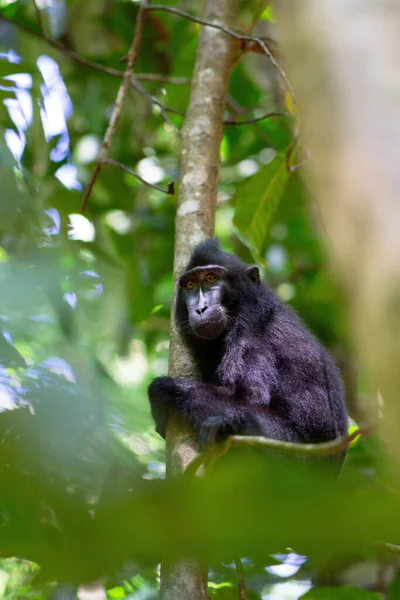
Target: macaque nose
[{"x": 201, "y": 310}]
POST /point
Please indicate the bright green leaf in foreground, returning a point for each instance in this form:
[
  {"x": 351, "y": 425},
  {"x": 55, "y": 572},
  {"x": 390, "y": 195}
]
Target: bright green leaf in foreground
[
  {"x": 156, "y": 309},
  {"x": 268, "y": 15},
  {"x": 117, "y": 592},
  {"x": 257, "y": 199},
  {"x": 350, "y": 431},
  {"x": 218, "y": 586}
]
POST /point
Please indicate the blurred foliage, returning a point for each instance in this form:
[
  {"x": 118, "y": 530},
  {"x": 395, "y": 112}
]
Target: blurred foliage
[
  {"x": 341, "y": 593},
  {"x": 84, "y": 319}
]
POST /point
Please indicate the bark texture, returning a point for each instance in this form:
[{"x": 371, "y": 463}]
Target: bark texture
[
  {"x": 344, "y": 62},
  {"x": 200, "y": 155}
]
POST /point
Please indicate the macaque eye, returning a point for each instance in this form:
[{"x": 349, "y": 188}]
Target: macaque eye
[
  {"x": 210, "y": 278},
  {"x": 189, "y": 284}
]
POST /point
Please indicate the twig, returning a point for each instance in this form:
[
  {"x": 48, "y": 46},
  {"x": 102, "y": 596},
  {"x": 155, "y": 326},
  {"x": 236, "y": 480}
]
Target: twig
[
  {"x": 136, "y": 85},
  {"x": 166, "y": 109},
  {"x": 251, "y": 48},
  {"x": 170, "y": 190},
  {"x": 154, "y": 102},
  {"x": 116, "y": 113},
  {"x": 152, "y": 77},
  {"x": 156, "y": 77},
  {"x": 256, "y": 119},
  {"x": 150, "y": 99},
  {"x": 40, "y": 19},
  {"x": 393, "y": 548},
  {"x": 163, "y": 79},
  {"x": 241, "y": 579},
  {"x": 61, "y": 48},
  {"x": 237, "y": 36}
]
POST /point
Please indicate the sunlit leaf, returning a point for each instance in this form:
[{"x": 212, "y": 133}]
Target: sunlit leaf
[
  {"x": 350, "y": 431},
  {"x": 268, "y": 15},
  {"x": 117, "y": 592},
  {"x": 218, "y": 586},
  {"x": 256, "y": 200},
  {"x": 156, "y": 309}
]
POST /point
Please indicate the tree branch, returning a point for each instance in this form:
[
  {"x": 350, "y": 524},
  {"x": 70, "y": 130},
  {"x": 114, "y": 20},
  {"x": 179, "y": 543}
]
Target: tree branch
[
  {"x": 158, "y": 78},
  {"x": 201, "y": 138},
  {"x": 254, "y": 441},
  {"x": 116, "y": 113},
  {"x": 170, "y": 190},
  {"x": 237, "y": 36},
  {"x": 323, "y": 449},
  {"x": 257, "y": 119},
  {"x": 354, "y": 173},
  {"x": 152, "y": 77},
  {"x": 61, "y": 48},
  {"x": 393, "y": 548},
  {"x": 166, "y": 109},
  {"x": 40, "y": 19},
  {"x": 241, "y": 579},
  {"x": 154, "y": 102},
  {"x": 136, "y": 85}
]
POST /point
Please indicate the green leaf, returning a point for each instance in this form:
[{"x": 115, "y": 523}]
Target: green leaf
[
  {"x": 346, "y": 592},
  {"x": 256, "y": 201},
  {"x": 218, "y": 586},
  {"x": 156, "y": 309},
  {"x": 117, "y": 592},
  {"x": 268, "y": 15},
  {"x": 351, "y": 430}
]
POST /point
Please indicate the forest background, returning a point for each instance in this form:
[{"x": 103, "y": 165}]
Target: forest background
[{"x": 86, "y": 262}]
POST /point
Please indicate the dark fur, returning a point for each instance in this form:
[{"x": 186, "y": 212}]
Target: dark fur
[{"x": 265, "y": 375}]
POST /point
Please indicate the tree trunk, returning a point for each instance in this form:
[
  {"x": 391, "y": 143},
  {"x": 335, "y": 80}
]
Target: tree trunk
[
  {"x": 201, "y": 139},
  {"x": 343, "y": 60}
]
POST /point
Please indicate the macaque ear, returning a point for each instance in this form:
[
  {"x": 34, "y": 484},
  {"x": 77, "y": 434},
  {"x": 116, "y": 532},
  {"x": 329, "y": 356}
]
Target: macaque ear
[{"x": 254, "y": 274}]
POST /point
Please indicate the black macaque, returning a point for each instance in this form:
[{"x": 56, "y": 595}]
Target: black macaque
[{"x": 262, "y": 372}]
